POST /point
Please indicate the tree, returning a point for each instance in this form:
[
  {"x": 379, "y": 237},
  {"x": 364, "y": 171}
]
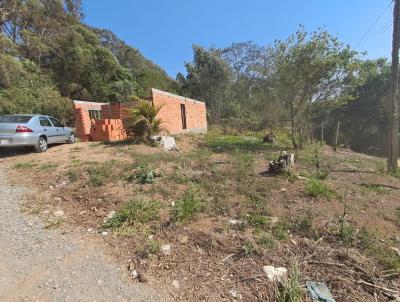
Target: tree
[
  {"x": 208, "y": 79},
  {"x": 309, "y": 69}
]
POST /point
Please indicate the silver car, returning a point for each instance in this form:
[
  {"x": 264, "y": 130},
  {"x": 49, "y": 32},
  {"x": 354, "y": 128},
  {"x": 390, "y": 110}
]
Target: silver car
[{"x": 34, "y": 130}]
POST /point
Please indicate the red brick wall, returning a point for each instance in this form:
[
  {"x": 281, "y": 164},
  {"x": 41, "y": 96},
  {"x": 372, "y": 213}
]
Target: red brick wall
[
  {"x": 170, "y": 113},
  {"x": 82, "y": 119}
]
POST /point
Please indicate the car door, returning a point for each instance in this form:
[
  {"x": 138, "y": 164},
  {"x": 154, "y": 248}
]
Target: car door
[
  {"x": 48, "y": 129},
  {"x": 61, "y": 134}
]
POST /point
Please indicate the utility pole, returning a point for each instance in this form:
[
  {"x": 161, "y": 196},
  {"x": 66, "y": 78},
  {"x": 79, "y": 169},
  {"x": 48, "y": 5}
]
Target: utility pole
[{"x": 394, "y": 117}]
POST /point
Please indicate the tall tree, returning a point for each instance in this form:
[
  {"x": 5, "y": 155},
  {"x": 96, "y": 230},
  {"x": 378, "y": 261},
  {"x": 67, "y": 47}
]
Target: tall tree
[
  {"x": 308, "y": 69},
  {"x": 208, "y": 79}
]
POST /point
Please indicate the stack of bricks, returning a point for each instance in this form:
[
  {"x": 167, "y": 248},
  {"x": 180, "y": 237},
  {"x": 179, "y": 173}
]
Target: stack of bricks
[
  {"x": 82, "y": 124},
  {"x": 107, "y": 130}
]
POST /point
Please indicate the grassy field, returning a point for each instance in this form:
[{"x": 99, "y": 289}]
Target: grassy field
[{"x": 334, "y": 218}]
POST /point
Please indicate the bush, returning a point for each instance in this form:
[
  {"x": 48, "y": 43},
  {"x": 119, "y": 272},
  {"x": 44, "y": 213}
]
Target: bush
[
  {"x": 316, "y": 188},
  {"x": 290, "y": 291},
  {"x": 135, "y": 215},
  {"x": 188, "y": 206}
]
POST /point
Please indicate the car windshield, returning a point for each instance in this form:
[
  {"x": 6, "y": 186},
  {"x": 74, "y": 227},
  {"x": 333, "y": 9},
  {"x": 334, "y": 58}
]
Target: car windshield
[{"x": 15, "y": 119}]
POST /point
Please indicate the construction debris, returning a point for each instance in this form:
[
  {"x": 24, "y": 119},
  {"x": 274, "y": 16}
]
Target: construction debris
[
  {"x": 166, "y": 142},
  {"x": 276, "y": 273}
]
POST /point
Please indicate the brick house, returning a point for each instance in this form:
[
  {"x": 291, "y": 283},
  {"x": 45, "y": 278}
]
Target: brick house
[{"x": 108, "y": 122}]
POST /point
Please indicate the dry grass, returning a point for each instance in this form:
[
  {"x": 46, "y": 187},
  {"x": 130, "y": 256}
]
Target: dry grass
[{"x": 225, "y": 219}]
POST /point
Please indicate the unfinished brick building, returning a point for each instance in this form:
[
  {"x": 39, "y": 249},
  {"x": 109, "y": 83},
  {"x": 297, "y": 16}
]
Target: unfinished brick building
[{"x": 108, "y": 122}]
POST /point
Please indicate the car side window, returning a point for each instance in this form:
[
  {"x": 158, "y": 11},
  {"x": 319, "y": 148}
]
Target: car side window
[
  {"x": 55, "y": 122},
  {"x": 44, "y": 121}
]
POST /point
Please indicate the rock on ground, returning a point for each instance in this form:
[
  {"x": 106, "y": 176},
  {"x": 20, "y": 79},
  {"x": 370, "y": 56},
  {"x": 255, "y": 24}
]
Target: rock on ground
[{"x": 43, "y": 265}]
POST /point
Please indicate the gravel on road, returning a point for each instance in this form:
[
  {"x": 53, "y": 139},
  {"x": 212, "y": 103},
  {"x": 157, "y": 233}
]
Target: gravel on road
[{"x": 37, "y": 264}]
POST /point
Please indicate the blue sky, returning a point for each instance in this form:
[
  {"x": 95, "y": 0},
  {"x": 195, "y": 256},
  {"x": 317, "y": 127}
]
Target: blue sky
[{"x": 165, "y": 30}]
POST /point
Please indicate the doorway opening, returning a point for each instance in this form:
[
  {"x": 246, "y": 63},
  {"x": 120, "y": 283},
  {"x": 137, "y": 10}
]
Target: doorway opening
[{"x": 183, "y": 116}]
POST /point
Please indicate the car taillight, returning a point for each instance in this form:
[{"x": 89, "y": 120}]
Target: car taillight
[{"x": 22, "y": 129}]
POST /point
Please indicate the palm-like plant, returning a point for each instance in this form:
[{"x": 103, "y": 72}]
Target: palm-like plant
[{"x": 145, "y": 123}]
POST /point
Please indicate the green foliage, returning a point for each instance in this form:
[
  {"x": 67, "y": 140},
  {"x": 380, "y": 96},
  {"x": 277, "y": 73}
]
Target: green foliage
[
  {"x": 188, "y": 206},
  {"x": 145, "y": 123},
  {"x": 290, "y": 291},
  {"x": 135, "y": 216},
  {"x": 266, "y": 240},
  {"x": 144, "y": 174},
  {"x": 316, "y": 188}
]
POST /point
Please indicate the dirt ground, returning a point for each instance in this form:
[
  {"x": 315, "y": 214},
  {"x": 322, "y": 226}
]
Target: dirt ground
[{"x": 347, "y": 238}]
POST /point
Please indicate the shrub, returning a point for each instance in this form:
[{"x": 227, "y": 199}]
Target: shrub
[
  {"x": 188, "y": 206},
  {"x": 316, "y": 188},
  {"x": 267, "y": 240},
  {"x": 135, "y": 215},
  {"x": 145, "y": 123}
]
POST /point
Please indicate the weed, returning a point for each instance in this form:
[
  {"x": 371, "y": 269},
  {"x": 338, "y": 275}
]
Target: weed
[
  {"x": 48, "y": 166},
  {"x": 303, "y": 225},
  {"x": 188, "y": 206},
  {"x": 25, "y": 165},
  {"x": 144, "y": 175},
  {"x": 248, "y": 249},
  {"x": 256, "y": 220},
  {"x": 280, "y": 231},
  {"x": 321, "y": 174},
  {"x": 54, "y": 224},
  {"x": 316, "y": 188},
  {"x": 290, "y": 176},
  {"x": 99, "y": 174},
  {"x": 290, "y": 291},
  {"x": 266, "y": 240},
  {"x": 377, "y": 188},
  {"x": 134, "y": 216}
]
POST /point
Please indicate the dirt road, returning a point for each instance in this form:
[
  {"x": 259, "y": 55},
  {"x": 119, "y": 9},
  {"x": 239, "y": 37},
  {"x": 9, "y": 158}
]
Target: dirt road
[{"x": 43, "y": 265}]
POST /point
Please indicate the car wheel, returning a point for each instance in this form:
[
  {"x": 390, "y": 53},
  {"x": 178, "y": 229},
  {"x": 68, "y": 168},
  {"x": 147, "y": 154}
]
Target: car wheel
[
  {"x": 71, "y": 138},
  {"x": 41, "y": 145}
]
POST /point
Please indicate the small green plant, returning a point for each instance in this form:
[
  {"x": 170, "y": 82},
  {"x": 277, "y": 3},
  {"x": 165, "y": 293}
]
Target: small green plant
[
  {"x": 188, "y": 206},
  {"x": 303, "y": 225},
  {"x": 377, "y": 188},
  {"x": 280, "y": 231},
  {"x": 101, "y": 173},
  {"x": 290, "y": 175},
  {"x": 290, "y": 291},
  {"x": 256, "y": 220},
  {"x": 316, "y": 188},
  {"x": 266, "y": 240},
  {"x": 136, "y": 215},
  {"x": 321, "y": 174},
  {"x": 48, "y": 166},
  {"x": 144, "y": 175},
  {"x": 248, "y": 249}
]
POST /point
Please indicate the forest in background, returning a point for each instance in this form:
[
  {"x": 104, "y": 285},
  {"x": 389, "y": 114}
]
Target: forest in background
[{"x": 48, "y": 56}]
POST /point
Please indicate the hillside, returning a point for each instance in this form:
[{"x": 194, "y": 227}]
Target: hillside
[
  {"x": 49, "y": 56},
  {"x": 200, "y": 224}
]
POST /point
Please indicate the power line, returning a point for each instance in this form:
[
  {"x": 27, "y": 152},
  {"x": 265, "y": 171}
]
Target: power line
[{"x": 373, "y": 24}]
